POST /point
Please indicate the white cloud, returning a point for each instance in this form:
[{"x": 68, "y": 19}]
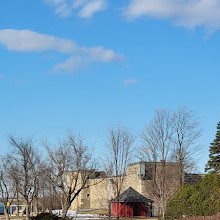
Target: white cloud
[
  {"x": 71, "y": 64},
  {"x": 187, "y": 13},
  {"x": 29, "y": 41},
  {"x": 128, "y": 82},
  {"x": 61, "y": 7},
  {"x": 1, "y": 77},
  {"x": 101, "y": 54},
  {"x": 84, "y": 8},
  {"x": 91, "y": 8},
  {"x": 89, "y": 55}
]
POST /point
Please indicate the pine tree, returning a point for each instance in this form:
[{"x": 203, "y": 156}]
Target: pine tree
[{"x": 214, "y": 161}]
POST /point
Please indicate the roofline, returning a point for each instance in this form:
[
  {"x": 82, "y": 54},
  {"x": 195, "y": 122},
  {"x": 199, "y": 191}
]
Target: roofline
[
  {"x": 149, "y": 200},
  {"x": 150, "y": 162}
]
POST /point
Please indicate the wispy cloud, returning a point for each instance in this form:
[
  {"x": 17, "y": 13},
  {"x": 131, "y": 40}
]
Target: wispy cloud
[
  {"x": 84, "y": 8},
  {"x": 186, "y": 13},
  {"x": 128, "y": 82},
  {"x": 88, "y": 10},
  {"x": 1, "y": 77},
  {"x": 30, "y": 41},
  {"x": 72, "y": 64},
  {"x": 88, "y": 55}
]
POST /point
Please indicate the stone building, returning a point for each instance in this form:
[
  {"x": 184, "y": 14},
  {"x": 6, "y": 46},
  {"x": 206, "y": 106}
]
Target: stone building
[{"x": 139, "y": 176}]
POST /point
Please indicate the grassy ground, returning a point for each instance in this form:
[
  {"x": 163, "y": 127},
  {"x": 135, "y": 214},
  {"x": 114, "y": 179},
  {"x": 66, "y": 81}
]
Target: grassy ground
[
  {"x": 217, "y": 217},
  {"x": 12, "y": 217}
]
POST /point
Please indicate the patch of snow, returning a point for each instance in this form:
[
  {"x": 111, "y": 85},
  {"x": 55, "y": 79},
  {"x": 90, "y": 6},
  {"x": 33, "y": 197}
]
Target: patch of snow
[{"x": 76, "y": 215}]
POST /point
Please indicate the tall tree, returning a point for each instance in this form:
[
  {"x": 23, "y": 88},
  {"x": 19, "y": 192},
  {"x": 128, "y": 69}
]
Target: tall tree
[
  {"x": 185, "y": 138},
  {"x": 71, "y": 167},
  {"x": 23, "y": 166},
  {"x": 48, "y": 196},
  {"x": 157, "y": 147},
  {"x": 214, "y": 162},
  {"x": 7, "y": 187},
  {"x": 119, "y": 146},
  {"x": 13, "y": 175}
]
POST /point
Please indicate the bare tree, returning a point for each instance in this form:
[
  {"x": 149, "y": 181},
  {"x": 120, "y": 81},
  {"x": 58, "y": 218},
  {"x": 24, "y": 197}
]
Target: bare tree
[
  {"x": 119, "y": 145},
  {"x": 41, "y": 172},
  {"x": 23, "y": 167},
  {"x": 71, "y": 167},
  {"x": 157, "y": 143},
  {"x": 48, "y": 197},
  {"x": 187, "y": 133},
  {"x": 13, "y": 176},
  {"x": 7, "y": 188}
]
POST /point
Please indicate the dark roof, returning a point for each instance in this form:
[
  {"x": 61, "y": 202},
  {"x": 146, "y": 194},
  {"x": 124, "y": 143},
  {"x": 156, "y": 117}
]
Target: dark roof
[
  {"x": 158, "y": 163},
  {"x": 131, "y": 195}
]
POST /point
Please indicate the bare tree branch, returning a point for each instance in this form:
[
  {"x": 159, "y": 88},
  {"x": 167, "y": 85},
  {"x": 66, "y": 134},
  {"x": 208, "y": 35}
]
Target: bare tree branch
[
  {"x": 119, "y": 145},
  {"x": 71, "y": 167}
]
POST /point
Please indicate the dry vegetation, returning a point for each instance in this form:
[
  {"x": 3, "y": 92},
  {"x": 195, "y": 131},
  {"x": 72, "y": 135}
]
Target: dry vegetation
[{"x": 217, "y": 217}]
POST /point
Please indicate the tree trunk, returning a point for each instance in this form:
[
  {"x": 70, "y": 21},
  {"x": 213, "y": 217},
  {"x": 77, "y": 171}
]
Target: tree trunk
[
  {"x": 50, "y": 209},
  {"x": 163, "y": 189},
  {"x": 43, "y": 202},
  {"x": 37, "y": 206},
  {"x": 180, "y": 175},
  {"x": 117, "y": 198},
  {"x": 7, "y": 217},
  {"x": 17, "y": 208},
  {"x": 65, "y": 209},
  {"x": 109, "y": 211},
  {"x": 17, "y": 211},
  {"x": 181, "y": 171},
  {"x": 65, "y": 205},
  {"x": 163, "y": 214},
  {"x": 27, "y": 210},
  {"x": 17, "y": 201}
]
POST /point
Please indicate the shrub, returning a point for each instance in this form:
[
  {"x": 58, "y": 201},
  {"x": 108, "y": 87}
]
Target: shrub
[
  {"x": 202, "y": 199},
  {"x": 46, "y": 216}
]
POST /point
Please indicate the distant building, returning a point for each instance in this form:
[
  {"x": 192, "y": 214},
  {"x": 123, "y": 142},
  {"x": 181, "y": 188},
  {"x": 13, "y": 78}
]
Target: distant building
[
  {"x": 139, "y": 178},
  {"x": 13, "y": 208}
]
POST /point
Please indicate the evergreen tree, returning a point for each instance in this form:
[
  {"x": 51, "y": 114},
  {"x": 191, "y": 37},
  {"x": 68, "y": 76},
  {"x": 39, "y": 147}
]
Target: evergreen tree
[
  {"x": 201, "y": 199},
  {"x": 214, "y": 161}
]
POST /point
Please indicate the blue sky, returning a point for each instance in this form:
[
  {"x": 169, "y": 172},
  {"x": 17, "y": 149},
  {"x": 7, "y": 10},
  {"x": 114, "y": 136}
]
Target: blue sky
[{"x": 86, "y": 65}]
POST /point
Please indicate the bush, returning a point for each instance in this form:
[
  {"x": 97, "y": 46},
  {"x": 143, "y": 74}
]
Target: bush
[
  {"x": 202, "y": 199},
  {"x": 46, "y": 216}
]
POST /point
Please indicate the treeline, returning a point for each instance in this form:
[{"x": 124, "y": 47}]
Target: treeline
[
  {"x": 29, "y": 177},
  {"x": 171, "y": 136}
]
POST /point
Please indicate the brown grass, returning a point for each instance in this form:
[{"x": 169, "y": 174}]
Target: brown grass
[{"x": 217, "y": 217}]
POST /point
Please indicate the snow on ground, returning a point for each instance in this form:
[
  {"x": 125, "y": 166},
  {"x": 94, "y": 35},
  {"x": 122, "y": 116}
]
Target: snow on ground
[{"x": 74, "y": 214}]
